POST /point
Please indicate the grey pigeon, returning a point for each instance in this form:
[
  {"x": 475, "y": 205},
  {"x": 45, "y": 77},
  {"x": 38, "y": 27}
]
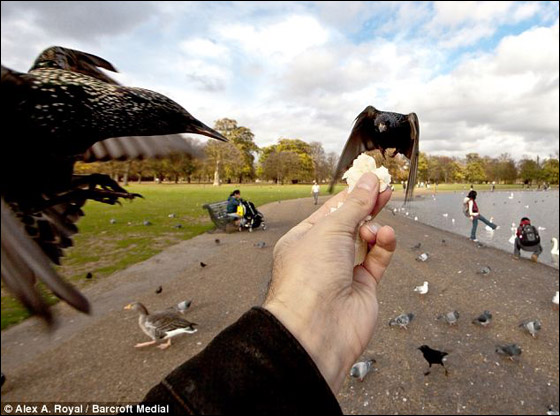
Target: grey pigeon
[
  {"x": 509, "y": 350},
  {"x": 531, "y": 326},
  {"x": 416, "y": 246},
  {"x": 146, "y": 222},
  {"x": 178, "y": 226},
  {"x": 360, "y": 369},
  {"x": 113, "y": 221},
  {"x": 484, "y": 319},
  {"x": 260, "y": 244},
  {"x": 402, "y": 320},
  {"x": 484, "y": 270},
  {"x": 450, "y": 317}
]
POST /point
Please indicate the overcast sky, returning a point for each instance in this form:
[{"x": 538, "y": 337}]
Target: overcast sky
[{"x": 482, "y": 76}]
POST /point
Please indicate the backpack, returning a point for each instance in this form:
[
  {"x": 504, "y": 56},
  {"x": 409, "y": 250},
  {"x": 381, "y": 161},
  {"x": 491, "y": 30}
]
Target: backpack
[
  {"x": 530, "y": 235},
  {"x": 466, "y": 207}
]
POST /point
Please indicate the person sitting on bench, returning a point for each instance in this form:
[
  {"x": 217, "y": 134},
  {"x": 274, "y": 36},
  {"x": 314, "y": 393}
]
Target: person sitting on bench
[{"x": 234, "y": 206}]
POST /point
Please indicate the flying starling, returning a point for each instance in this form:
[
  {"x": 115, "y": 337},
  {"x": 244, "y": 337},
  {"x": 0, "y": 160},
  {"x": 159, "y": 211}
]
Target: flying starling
[
  {"x": 56, "y": 114},
  {"x": 382, "y": 130}
]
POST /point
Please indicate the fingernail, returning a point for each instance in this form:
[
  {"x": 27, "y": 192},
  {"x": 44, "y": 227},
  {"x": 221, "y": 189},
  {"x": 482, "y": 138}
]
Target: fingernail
[
  {"x": 367, "y": 181},
  {"x": 373, "y": 226}
]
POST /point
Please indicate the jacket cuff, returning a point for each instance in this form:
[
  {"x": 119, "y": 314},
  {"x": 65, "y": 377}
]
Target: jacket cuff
[{"x": 254, "y": 366}]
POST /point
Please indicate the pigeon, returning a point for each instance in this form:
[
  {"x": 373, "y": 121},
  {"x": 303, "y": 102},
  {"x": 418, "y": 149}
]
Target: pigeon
[
  {"x": 531, "y": 326},
  {"x": 443, "y": 242},
  {"x": 159, "y": 290},
  {"x": 113, "y": 221},
  {"x": 203, "y": 264},
  {"x": 422, "y": 289},
  {"x": 65, "y": 109},
  {"x": 402, "y": 320},
  {"x": 178, "y": 226},
  {"x": 416, "y": 246},
  {"x": 450, "y": 317},
  {"x": 217, "y": 241},
  {"x": 171, "y": 215},
  {"x": 433, "y": 357},
  {"x": 484, "y": 270},
  {"x": 260, "y": 244},
  {"x": 374, "y": 129},
  {"x": 509, "y": 350},
  {"x": 89, "y": 275},
  {"x": 360, "y": 369},
  {"x": 484, "y": 319},
  {"x": 146, "y": 222},
  {"x": 422, "y": 257}
]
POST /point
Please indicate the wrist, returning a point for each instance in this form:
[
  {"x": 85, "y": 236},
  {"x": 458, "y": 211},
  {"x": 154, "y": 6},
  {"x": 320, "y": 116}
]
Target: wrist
[{"x": 332, "y": 363}]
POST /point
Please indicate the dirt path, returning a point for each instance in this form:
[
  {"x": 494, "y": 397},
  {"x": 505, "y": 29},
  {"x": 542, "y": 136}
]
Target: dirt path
[{"x": 93, "y": 359}]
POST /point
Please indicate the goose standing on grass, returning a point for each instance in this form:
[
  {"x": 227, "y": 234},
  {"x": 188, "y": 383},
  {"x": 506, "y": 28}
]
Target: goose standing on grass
[{"x": 161, "y": 326}]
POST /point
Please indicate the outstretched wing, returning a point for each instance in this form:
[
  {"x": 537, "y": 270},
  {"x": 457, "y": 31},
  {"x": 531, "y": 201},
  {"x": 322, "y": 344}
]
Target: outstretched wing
[
  {"x": 382, "y": 130},
  {"x": 76, "y": 61}
]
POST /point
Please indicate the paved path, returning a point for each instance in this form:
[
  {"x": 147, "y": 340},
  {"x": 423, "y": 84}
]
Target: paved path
[{"x": 92, "y": 358}]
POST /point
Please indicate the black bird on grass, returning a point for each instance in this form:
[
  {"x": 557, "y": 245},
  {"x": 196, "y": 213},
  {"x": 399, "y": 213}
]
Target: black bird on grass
[
  {"x": 63, "y": 110},
  {"x": 382, "y": 130},
  {"x": 433, "y": 357}
]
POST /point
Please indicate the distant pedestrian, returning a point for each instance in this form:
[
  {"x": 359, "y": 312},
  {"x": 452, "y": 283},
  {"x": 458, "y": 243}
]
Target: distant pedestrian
[
  {"x": 528, "y": 239},
  {"x": 315, "y": 190},
  {"x": 475, "y": 216},
  {"x": 493, "y": 187}
]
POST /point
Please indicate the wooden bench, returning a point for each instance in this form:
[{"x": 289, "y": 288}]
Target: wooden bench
[{"x": 218, "y": 214}]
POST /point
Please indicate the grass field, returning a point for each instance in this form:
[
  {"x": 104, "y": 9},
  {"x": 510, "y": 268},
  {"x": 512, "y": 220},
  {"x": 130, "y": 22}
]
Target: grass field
[{"x": 102, "y": 248}]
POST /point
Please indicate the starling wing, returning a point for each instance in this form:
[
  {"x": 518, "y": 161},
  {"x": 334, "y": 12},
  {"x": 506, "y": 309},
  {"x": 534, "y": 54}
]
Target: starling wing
[
  {"x": 382, "y": 130},
  {"x": 53, "y": 115}
]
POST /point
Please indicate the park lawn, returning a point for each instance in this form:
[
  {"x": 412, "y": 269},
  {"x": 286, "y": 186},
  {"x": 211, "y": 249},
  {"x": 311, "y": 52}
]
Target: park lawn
[{"x": 102, "y": 248}]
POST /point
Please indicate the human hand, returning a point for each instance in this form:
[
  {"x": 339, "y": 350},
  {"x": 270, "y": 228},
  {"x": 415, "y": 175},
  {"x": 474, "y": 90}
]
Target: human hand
[{"x": 326, "y": 303}]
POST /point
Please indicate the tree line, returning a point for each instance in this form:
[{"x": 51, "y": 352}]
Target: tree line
[{"x": 295, "y": 161}]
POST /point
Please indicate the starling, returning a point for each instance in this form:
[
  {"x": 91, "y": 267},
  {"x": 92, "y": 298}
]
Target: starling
[
  {"x": 159, "y": 290},
  {"x": 374, "y": 129},
  {"x": 217, "y": 241},
  {"x": 55, "y": 114},
  {"x": 203, "y": 264},
  {"x": 89, "y": 275},
  {"x": 433, "y": 357}
]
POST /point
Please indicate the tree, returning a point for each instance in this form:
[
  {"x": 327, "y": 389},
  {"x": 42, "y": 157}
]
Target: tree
[
  {"x": 242, "y": 138},
  {"x": 506, "y": 169},
  {"x": 225, "y": 159},
  {"x": 302, "y": 171},
  {"x": 474, "y": 170},
  {"x": 281, "y": 166},
  {"x": 550, "y": 170},
  {"x": 529, "y": 170}
]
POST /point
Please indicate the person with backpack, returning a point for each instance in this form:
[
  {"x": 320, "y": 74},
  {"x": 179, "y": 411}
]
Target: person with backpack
[
  {"x": 528, "y": 239},
  {"x": 471, "y": 210}
]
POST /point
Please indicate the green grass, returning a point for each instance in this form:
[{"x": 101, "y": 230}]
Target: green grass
[{"x": 102, "y": 248}]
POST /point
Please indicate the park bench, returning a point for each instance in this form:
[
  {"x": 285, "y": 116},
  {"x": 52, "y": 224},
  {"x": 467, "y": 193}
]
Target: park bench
[{"x": 218, "y": 214}]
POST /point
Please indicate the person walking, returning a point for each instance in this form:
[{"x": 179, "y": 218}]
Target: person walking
[
  {"x": 475, "y": 216},
  {"x": 315, "y": 190}
]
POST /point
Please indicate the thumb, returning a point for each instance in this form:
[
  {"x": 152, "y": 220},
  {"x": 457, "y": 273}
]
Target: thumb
[{"x": 359, "y": 203}]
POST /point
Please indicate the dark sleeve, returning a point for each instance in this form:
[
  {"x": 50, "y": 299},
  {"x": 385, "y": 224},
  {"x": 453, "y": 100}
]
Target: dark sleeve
[{"x": 253, "y": 366}]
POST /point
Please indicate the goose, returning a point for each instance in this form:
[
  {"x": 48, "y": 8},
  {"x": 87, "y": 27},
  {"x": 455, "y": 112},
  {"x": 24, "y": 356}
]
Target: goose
[
  {"x": 161, "y": 326},
  {"x": 513, "y": 234},
  {"x": 554, "y": 250},
  {"x": 510, "y": 196}
]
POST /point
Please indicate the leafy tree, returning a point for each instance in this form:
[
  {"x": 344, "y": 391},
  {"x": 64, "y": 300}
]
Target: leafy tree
[
  {"x": 550, "y": 171},
  {"x": 529, "y": 170},
  {"x": 242, "y": 138},
  {"x": 474, "y": 170},
  {"x": 302, "y": 171}
]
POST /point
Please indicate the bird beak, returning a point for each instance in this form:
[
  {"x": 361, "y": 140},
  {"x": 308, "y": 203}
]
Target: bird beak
[{"x": 201, "y": 128}]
